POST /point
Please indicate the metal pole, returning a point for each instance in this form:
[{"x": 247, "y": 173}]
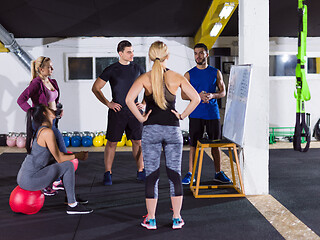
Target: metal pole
[{"x": 9, "y": 42}]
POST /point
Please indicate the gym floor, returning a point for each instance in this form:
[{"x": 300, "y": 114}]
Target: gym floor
[{"x": 290, "y": 211}]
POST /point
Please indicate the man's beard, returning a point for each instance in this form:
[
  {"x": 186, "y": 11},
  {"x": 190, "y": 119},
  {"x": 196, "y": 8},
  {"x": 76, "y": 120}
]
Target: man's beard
[{"x": 201, "y": 62}]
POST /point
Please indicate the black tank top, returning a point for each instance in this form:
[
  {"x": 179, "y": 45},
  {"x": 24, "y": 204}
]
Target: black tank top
[{"x": 159, "y": 116}]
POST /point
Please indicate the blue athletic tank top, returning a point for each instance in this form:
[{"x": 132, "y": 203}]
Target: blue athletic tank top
[{"x": 205, "y": 80}]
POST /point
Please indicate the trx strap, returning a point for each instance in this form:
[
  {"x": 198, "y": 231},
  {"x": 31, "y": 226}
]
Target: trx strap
[{"x": 302, "y": 92}]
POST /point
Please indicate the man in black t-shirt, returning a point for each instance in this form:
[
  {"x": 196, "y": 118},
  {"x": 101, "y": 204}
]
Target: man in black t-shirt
[{"x": 121, "y": 76}]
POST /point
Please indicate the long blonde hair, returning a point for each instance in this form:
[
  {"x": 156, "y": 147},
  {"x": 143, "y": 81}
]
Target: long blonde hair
[
  {"x": 36, "y": 64},
  {"x": 158, "y": 52}
]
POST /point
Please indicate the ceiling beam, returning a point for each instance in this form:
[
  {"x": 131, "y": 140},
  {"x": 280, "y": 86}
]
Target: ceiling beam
[{"x": 211, "y": 18}]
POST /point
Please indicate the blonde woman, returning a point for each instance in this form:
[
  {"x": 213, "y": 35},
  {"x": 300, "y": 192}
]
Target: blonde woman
[
  {"x": 161, "y": 129},
  {"x": 44, "y": 90}
]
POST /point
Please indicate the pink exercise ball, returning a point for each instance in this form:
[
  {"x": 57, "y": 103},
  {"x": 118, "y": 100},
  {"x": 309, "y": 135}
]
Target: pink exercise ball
[
  {"x": 75, "y": 162},
  {"x": 27, "y": 202}
]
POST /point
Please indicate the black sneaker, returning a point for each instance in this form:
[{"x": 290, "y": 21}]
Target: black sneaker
[
  {"x": 79, "y": 209},
  {"x": 78, "y": 199}
]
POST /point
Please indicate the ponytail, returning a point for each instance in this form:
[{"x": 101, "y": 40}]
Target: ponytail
[
  {"x": 29, "y": 130},
  {"x": 157, "y": 85},
  {"x": 34, "y": 72},
  {"x": 158, "y": 52},
  {"x": 35, "y": 118}
]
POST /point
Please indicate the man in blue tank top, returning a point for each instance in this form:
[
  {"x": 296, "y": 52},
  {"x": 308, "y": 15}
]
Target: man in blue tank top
[
  {"x": 121, "y": 75},
  {"x": 205, "y": 119}
]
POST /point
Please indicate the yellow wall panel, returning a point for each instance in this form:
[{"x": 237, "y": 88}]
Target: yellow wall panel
[
  {"x": 2, "y": 48},
  {"x": 318, "y": 65}
]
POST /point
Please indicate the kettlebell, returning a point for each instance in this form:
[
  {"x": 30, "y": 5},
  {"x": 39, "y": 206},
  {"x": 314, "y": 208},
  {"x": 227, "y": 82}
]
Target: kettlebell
[
  {"x": 98, "y": 139},
  {"x": 21, "y": 140},
  {"x": 76, "y": 139},
  {"x": 11, "y": 139},
  {"x": 123, "y": 141},
  {"x": 186, "y": 137},
  {"x": 128, "y": 142},
  {"x": 87, "y": 139},
  {"x": 66, "y": 138}
]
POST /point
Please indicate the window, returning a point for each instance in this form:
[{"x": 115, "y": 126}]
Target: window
[
  {"x": 285, "y": 65},
  {"x": 282, "y": 65},
  {"x": 103, "y": 62},
  {"x": 314, "y": 65},
  {"x": 82, "y": 67},
  {"x": 140, "y": 61}
]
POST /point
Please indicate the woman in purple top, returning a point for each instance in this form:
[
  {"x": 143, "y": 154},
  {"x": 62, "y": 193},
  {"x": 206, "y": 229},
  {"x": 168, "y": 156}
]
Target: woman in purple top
[
  {"x": 44, "y": 90},
  {"x": 41, "y": 86}
]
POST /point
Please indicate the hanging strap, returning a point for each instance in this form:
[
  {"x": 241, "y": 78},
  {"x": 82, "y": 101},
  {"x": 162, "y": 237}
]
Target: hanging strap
[
  {"x": 302, "y": 92},
  {"x": 301, "y": 131}
]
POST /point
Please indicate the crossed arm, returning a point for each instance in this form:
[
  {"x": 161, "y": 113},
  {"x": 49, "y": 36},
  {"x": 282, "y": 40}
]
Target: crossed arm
[{"x": 206, "y": 97}]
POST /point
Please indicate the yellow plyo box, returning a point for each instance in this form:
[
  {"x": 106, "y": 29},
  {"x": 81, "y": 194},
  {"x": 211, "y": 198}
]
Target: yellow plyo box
[{"x": 201, "y": 145}]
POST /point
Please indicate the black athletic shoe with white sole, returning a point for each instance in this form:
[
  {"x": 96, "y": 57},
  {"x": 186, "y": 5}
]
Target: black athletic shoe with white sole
[{"x": 79, "y": 209}]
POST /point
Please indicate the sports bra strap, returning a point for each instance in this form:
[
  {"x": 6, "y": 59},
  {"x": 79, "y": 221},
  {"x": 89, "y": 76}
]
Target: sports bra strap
[{"x": 40, "y": 130}]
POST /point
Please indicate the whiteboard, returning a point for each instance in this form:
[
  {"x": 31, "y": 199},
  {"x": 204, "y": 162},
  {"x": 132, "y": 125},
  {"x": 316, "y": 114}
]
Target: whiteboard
[{"x": 236, "y": 106}]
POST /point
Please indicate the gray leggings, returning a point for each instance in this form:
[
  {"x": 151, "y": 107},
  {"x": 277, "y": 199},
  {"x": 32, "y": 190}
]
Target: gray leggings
[
  {"x": 154, "y": 138},
  {"x": 33, "y": 181}
]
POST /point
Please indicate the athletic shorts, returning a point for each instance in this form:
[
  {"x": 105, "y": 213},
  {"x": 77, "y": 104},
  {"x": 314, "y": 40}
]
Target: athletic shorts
[
  {"x": 196, "y": 129},
  {"x": 118, "y": 122}
]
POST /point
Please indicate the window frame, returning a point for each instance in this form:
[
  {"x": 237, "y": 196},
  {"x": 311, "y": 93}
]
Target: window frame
[
  {"x": 93, "y": 56},
  {"x": 312, "y": 75},
  {"x": 309, "y": 75},
  {"x": 280, "y": 54}
]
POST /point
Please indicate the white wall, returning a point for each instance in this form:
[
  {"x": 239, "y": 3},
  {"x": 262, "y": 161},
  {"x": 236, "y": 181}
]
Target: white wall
[
  {"x": 92, "y": 114},
  {"x": 82, "y": 111},
  {"x": 282, "y": 101}
]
